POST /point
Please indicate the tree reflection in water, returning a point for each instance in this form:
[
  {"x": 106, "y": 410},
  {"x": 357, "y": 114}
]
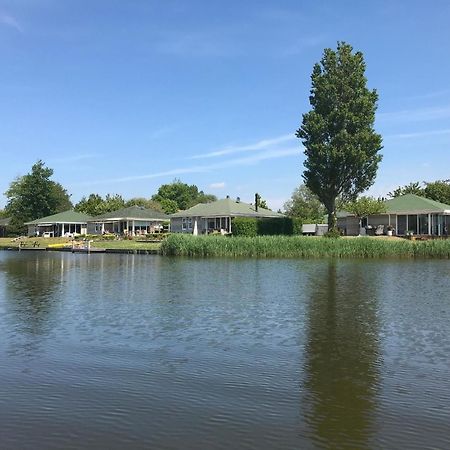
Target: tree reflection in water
[{"x": 342, "y": 359}]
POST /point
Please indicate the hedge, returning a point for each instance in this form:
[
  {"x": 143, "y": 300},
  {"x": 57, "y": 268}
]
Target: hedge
[{"x": 251, "y": 227}]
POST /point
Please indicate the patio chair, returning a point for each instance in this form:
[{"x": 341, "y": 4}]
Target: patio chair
[{"x": 379, "y": 231}]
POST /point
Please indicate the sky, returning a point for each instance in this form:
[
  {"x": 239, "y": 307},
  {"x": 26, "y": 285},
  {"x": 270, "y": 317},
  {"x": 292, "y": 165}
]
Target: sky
[{"x": 123, "y": 96}]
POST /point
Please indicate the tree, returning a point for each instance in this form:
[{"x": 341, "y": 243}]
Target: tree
[
  {"x": 145, "y": 203},
  {"x": 364, "y": 207},
  {"x": 95, "y": 204},
  {"x": 35, "y": 195},
  {"x": 180, "y": 194},
  {"x": 438, "y": 190},
  {"x": 260, "y": 202},
  {"x": 341, "y": 145},
  {"x": 411, "y": 188},
  {"x": 305, "y": 205}
]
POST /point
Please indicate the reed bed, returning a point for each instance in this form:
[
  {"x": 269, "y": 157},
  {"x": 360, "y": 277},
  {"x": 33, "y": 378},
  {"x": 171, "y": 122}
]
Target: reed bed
[{"x": 302, "y": 247}]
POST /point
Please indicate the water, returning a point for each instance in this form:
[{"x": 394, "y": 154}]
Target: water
[{"x": 131, "y": 351}]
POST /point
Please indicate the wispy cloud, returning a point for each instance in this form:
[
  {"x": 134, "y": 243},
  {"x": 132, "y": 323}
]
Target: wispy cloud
[
  {"x": 260, "y": 145},
  {"x": 419, "y": 134},
  {"x": 303, "y": 44},
  {"x": 160, "y": 132},
  {"x": 416, "y": 115},
  {"x": 219, "y": 185},
  {"x": 194, "y": 44},
  {"x": 74, "y": 158},
  {"x": 9, "y": 21},
  {"x": 250, "y": 160},
  {"x": 429, "y": 95}
]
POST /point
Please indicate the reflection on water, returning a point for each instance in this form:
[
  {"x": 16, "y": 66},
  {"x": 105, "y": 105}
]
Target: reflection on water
[
  {"x": 342, "y": 356},
  {"x": 116, "y": 351}
]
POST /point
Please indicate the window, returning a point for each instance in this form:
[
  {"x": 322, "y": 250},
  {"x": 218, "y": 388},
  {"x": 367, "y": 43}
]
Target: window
[{"x": 186, "y": 223}]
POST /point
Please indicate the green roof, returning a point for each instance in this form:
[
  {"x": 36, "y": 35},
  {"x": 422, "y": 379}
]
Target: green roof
[
  {"x": 63, "y": 217},
  {"x": 226, "y": 207},
  {"x": 414, "y": 204},
  {"x": 131, "y": 213}
]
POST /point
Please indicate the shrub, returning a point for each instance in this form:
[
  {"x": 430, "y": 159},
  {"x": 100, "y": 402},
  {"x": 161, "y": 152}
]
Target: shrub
[
  {"x": 333, "y": 234},
  {"x": 244, "y": 226},
  {"x": 251, "y": 227}
]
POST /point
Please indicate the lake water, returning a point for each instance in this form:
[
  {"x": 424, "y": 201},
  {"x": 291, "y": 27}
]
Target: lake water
[{"x": 131, "y": 351}]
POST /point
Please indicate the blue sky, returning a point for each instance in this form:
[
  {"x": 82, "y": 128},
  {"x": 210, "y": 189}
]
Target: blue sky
[{"x": 123, "y": 96}]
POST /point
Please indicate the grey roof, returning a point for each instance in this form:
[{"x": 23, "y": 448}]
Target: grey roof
[
  {"x": 69, "y": 216},
  {"x": 131, "y": 213},
  {"x": 226, "y": 207},
  {"x": 5, "y": 222}
]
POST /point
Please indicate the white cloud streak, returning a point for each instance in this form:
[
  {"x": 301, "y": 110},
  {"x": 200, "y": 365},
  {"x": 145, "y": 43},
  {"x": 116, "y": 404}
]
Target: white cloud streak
[
  {"x": 419, "y": 134},
  {"x": 416, "y": 115},
  {"x": 74, "y": 158},
  {"x": 261, "y": 145},
  {"x": 219, "y": 185},
  {"x": 245, "y": 161},
  {"x": 9, "y": 21}
]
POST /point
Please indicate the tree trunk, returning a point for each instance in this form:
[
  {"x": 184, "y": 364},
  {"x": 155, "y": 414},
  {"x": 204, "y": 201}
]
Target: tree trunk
[{"x": 331, "y": 210}]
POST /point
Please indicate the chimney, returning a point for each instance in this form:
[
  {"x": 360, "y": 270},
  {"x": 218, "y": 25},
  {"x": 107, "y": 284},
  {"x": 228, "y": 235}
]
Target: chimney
[
  {"x": 238, "y": 200},
  {"x": 256, "y": 202}
]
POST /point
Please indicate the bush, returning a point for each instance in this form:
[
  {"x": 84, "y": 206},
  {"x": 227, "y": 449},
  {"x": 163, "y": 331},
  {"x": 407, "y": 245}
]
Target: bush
[
  {"x": 333, "y": 234},
  {"x": 244, "y": 226},
  {"x": 251, "y": 227}
]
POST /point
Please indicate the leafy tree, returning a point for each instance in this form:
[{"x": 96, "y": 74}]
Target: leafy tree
[
  {"x": 411, "y": 188},
  {"x": 341, "y": 145},
  {"x": 95, "y": 204},
  {"x": 181, "y": 194},
  {"x": 35, "y": 195},
  {"x": 438, "y": 190},
  {"x": 305, "y": 205},
  {"x": 2, "y": 214},
  {"x": 364, "y": 207},
  {"x": 169, "y": 206},
  {"x": 261, "y": 202},
  {"x": 145, "y": 203}
]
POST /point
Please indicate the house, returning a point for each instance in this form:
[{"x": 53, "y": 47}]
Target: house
[
  {"x": 61, "y": 224},
  {"x": 215, "y": 216},
  {"x": 4, "y": 223},
  {"x": 405, "y": 214},
  {"x": 132, "y": 221}
]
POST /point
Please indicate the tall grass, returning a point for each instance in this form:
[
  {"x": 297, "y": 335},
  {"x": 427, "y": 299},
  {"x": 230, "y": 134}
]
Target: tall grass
[{"x": 302, "y": 247}]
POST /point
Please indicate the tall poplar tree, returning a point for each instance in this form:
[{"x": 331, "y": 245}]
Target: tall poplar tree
[{"x": 341, "y": 145}]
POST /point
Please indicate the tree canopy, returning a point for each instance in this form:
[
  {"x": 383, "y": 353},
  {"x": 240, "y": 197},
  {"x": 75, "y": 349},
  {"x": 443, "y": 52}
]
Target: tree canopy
[
  {"x": 438, "y": 190},
  {"x": 178, "y": 195},
  {"x": 411, "y": 188},
  {"x": 340, "y": 143},
  {"x": 365, "y": 206},
  {"x": 305, "y": 205},
  {"x": 35, "y": 195},
  {"x": 95, "y": 204}
]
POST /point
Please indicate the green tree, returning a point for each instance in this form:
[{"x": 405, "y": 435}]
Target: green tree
[
  {"x": 95, "y": 204},
  {"x": 364, "y": 207},
  {"x": 341, "y": 145},
  {"x": 438, "y": 190},
  {"x": 35, "y": 195},
  {"x": 181, "y": 194},
  {"x": 145, "y": 203},
  {"x": 305, "y": 205},
  {"x": 261, "y": 203},
  {"x": 411, "y": 188}
]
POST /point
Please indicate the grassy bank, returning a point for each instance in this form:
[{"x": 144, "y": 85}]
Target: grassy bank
[
  {"x": 107, "y": 244},
  {"x": 302, "y": 247}
]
